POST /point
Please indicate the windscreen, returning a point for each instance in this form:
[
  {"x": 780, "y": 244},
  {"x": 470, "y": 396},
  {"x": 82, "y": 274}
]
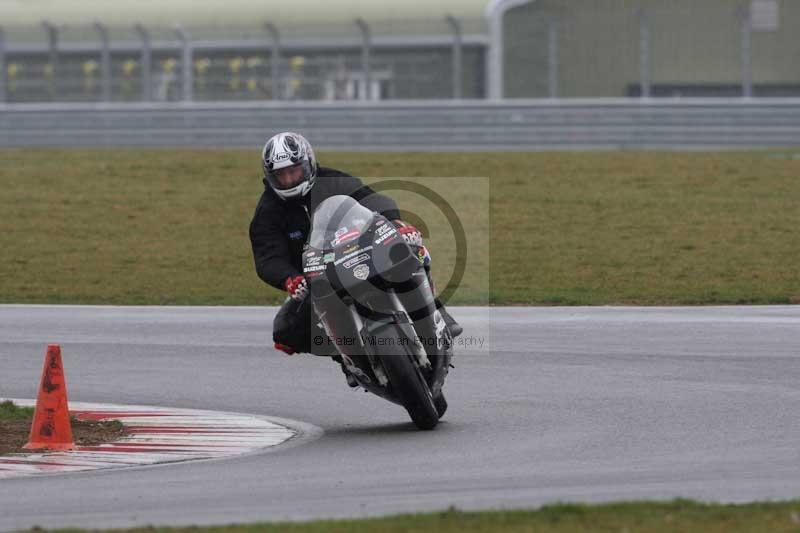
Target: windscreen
[{"x": 337, "y": 220}]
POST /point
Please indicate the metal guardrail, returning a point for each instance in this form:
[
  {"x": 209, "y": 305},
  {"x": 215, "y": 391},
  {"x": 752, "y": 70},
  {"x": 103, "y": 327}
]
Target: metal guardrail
[{"x": 431, "y": 125}]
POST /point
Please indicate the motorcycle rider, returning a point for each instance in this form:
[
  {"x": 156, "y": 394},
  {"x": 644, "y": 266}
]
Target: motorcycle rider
[{"x": 294, "y": 185}]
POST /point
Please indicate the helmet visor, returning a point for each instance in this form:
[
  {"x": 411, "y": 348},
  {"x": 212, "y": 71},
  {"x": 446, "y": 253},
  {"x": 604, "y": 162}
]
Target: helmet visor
[{"x": 289, "y": 177}]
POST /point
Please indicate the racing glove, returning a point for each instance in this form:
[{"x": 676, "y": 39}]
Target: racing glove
[
  {"x": 413, "y": 238},
  {"x": 410, "y": 234},
  {"x": 297, "y": 287}
]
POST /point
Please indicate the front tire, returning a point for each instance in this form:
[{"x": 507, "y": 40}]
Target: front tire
[
  {"x": 409, "y": 385},
  {"x": 441, "y": 404}
]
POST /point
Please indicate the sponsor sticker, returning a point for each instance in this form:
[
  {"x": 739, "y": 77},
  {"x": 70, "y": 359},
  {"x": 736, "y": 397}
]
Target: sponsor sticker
[
  {"x": 361, "y": 272},
  {"x": 356, "y": 260},
  {"x": 351, "y": 255},
  {"x": 344, "y": 236},
  {"x": 384, "y": 237}
]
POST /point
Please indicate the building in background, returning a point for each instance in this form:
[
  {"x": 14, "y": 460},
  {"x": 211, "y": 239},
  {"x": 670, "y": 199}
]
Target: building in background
[
  {"x": 194, "y": 50},
  {"x": 612, "y": 48}
]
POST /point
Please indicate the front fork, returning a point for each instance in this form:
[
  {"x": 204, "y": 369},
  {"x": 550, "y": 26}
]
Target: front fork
[
  {"x": 377, "y": 369},
  {"x": 396, "y": 315}
]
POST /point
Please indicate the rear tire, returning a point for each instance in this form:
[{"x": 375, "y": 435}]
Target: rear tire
[{"x": 409, "y": 385}]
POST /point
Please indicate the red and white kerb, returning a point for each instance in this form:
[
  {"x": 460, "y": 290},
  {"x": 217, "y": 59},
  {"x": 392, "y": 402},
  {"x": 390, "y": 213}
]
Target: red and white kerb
[{"x": 155, "y": 435}]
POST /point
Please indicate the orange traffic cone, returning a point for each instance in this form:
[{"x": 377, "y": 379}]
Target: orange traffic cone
[{"x": 51, "y": 428}]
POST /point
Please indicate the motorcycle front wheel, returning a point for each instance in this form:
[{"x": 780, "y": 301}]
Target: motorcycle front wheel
[{"x": 407, "y": 381}]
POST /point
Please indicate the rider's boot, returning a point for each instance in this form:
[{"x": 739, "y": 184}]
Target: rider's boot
[
  {"x": 454, "y": 327},
  {"x": 351, "y": 379}
]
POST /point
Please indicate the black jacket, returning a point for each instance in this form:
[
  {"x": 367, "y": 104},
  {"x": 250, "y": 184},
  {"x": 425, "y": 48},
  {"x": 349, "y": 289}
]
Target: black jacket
[{"x": 280, "y": 228}]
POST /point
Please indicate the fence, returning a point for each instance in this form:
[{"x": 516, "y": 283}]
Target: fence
[
  {"x": 435, "y": 125},
  {"x": 353, "y": 62},
  {"x": 680, "y": 48}
]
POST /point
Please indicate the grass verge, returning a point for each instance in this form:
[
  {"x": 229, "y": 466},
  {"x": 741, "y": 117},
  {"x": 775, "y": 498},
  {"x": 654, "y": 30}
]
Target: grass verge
[
  {"x": 9, "y": 411},
  {"x": 15, "y": 426},
  {"x": 656, "y": 517},
  {"x": 170, "y": 226}
]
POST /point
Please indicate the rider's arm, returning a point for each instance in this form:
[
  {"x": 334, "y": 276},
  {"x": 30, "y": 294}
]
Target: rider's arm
[{"x": 270, "y": 251}]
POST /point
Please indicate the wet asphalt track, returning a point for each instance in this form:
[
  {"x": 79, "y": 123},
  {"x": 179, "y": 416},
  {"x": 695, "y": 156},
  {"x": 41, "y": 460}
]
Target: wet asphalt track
[{"x": 578, "y": 404}]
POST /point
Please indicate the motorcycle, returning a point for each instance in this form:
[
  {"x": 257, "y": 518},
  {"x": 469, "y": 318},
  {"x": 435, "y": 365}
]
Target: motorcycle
[{"x": 372, "y": 295}]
